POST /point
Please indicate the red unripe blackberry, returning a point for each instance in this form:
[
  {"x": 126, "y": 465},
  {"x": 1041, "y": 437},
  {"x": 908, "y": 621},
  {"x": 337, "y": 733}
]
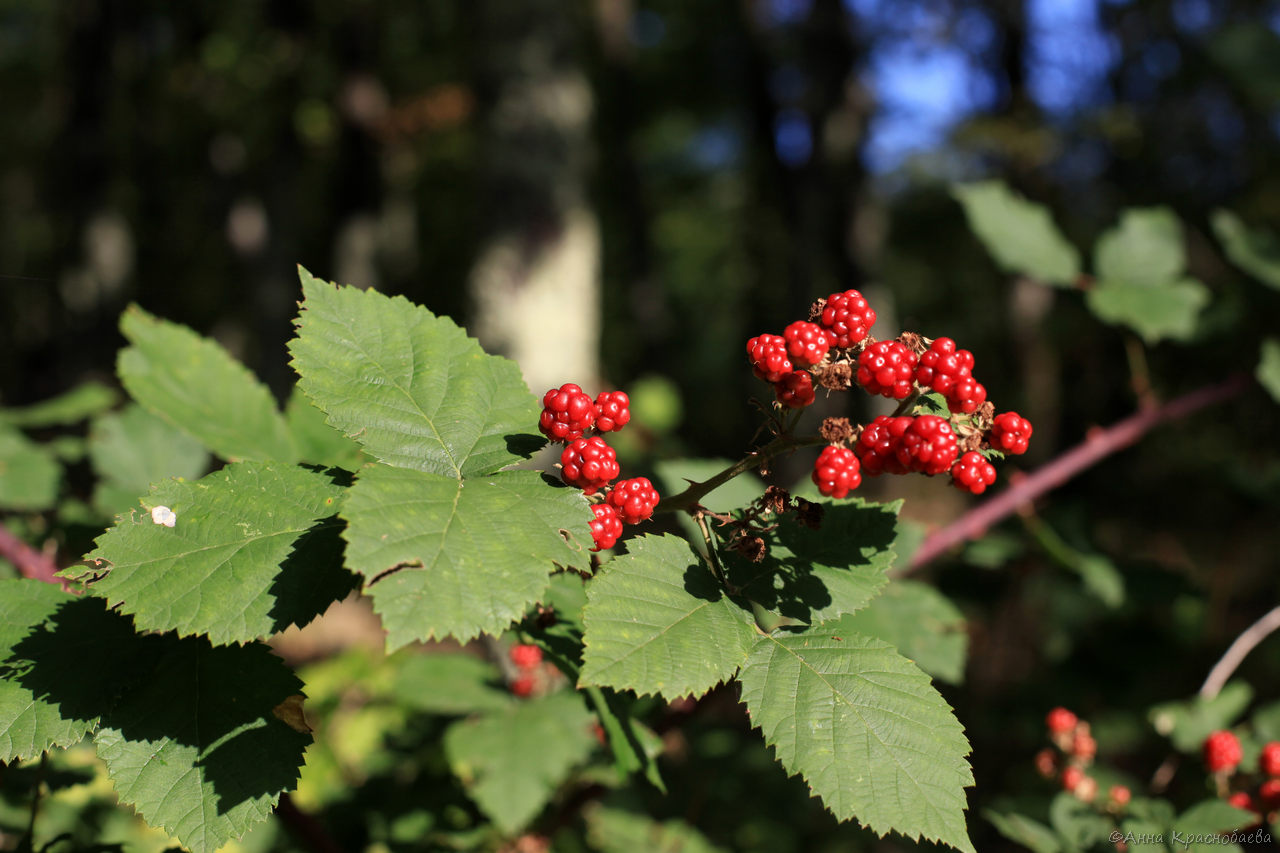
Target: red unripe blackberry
[
  {"x": 795, "y": 390},
  {"x": 1060, "y": 721},
  {"x": 523, "y": 686},
  {"x": 1269, "y": 793},
  {"x": 1119, "y": 796},
  {"x": 848, "y": 318},
  {"x": 613, "y": 410},
  {"x": 973, "y": 473},
  {"x": 634, "y": 499},
  {"x": 526, "y": 656},
  {"x": 887, "y": 368},
  {"x": 1269, "y": 760},
  {"x": 1241, "y": 800},
  {"x": 877, "y": 446},
  {"x": 589, "y": 463},
  {"x": 942, "y": 364},
  {"x": 807, "y": 343},
  {"x": 966, "y": 395},
  {"x": 1047, "y": 763},
  {"x": 606, "y": 527},
  {"x": 928, "y": 445},
  {"x": 567, "y": 412},
  {"x": 836, "y": 472},
  {"x": 1222, "y": 751},
  {"x": 1072, "y": 776},
  {"x": 1010, "y": 433},
  {"x": 768, "y": 354},
  {"x": 1083, "y": 746}
]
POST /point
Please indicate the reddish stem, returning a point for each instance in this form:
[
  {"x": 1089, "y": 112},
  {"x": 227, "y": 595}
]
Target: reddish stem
[
  {"x": 1098, "y": 445},
  {"x": 30, "y": 563}
]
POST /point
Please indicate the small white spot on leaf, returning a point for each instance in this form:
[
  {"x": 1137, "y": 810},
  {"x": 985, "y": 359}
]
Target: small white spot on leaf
[{"x": 164, "y": 515}]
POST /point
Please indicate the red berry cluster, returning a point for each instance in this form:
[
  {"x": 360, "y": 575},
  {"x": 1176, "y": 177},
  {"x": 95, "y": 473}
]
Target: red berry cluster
[
  {"x": 1073, "y": 752},
  {"x": 1222, "y": 756},
  {"x": 590, "y": 463},
  {"x": 834, "y": 349}
]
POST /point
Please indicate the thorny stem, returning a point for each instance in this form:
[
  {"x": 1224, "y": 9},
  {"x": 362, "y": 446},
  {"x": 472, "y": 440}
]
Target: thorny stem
[
  {"x": 1139, "y": 374},
  {"x": 689, "y": 498},
  {"x": 30, "y": 563},
  {"x": 1097, "y": 446}
]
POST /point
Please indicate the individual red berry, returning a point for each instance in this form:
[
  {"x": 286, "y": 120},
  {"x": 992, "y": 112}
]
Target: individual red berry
[
  {"x": 942, "y": 364},
  {"x": 966, "y": 395},
  {"x": 589, "y": 463},
  {"x": 768, "y": 354},
  {"x": 807, "y": 343},
  {"x": 1269, "y": 760},
  {"x": 973, "y": 473},
  {"x": 928, "y": 445},
  {"x": 1119, "y": 796},
  {"x": 1060, "y": 721},
  {"x": 1010, "y": 433},
  {"x": 1269, "y": 793},
  {"x": 634, "y": 499},
  {"x": 1072, "y": 776},
  {"x": 567, "y": 413},
  {"x": 1083, "y": 746},
  {"x": 848, "y": 318},
  {"x": 1222, "y": 751},
  {"x": 606, "y": 527},
  {"x": 526, "y": 656},
  {"x": 795, "y": 389},
  {"x": 523, "y": 685},
  {"x": 837, "y": 472},
  {"x": 887, "y": 368},
  {"x": 1241, "y": 800},
  {"x": 613, "y": 410},
  {"x": 1086, "y": 789},
  {"x": 1047, "y": 763},
  {"x": 877, "y": 446}
]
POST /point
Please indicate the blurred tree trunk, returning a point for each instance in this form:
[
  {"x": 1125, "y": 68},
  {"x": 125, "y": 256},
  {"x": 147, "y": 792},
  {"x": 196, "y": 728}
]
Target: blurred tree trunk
[{"x": 535, "y": 284}]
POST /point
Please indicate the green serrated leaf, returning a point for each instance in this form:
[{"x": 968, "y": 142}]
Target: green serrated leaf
[
  {"x": 32, "y": 720},
  {"x": 198, "y": 387},
  {"x": 29, "y": 474},
  {"x": 921, "y": 623},
  {"x": 1145, "y": 248},
  {"x": 657, "y": 621},
  {"x": 411, "y": 387},
  {"x": 818, "y": 575},
  {"x": 131, "y": 449},
  {"x": 1268, "y": 371},
  {"x": 612, "y": 830},
  {"x": 1019, "y": 234},
  {"x": 447, "y": 557},
  {"x": 1255, "y": 251},
  {"x": 198, "y": 748},
  {"x": 317, "y": 442},
  {"x": 1265, "y": 722},
  {"x": 1031, "y": 834},
  {"x": 1155, "y": 312},
  {"x": 1189, "y": 722},
  {"x": 450, "y": 684},
  {"x": 865, "y": 728},
  {"x": 512, "y": 761},
  {"x": 75, "y": 405},
  {"x": 255, "y": 548}
]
